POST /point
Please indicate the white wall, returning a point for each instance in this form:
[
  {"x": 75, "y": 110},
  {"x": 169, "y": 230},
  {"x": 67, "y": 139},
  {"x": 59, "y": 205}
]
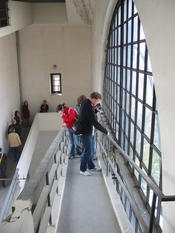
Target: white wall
[
  {"x": 9, "y": 87},
  {"x": 50, "y": 121},
  {"x": 42, "y": 46},
  {"x": 157, "y": 17},
  {"x": 160, "y": 37},
  {"x": 20, "y": 15},
  {"x": 49, "y": 13},
  {"x": 98, "y": 44}
]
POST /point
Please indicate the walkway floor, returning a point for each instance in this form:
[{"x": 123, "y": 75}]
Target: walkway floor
[{"x": 86, "y": 207}]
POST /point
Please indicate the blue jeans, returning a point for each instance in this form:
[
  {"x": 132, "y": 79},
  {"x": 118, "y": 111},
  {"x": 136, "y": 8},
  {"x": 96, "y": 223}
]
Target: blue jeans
[
  {"x": 16, "y": 151},
  {"x": 92, "y": 147},
  {"x": 86, "y": 161},
  {"x": 70, "y": 136},
  {"x": 77, "y": 140}
]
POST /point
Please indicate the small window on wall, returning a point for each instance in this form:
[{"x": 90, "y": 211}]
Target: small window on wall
[{"x": 55, "y": 82}]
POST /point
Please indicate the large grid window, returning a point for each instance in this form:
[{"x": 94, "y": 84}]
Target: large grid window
[
  {"x": 55, "y": 82},
  {"x": 129, "y": 94},
  {"x": 4, "y": 20}
]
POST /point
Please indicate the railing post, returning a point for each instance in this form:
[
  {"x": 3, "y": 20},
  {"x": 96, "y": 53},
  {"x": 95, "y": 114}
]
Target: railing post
[
  {"x": 152, "y": 213},
  {"x": 48, "y": 197},
  {"x": 108, "y": 153},
  {"x": 95, "y": 141}
]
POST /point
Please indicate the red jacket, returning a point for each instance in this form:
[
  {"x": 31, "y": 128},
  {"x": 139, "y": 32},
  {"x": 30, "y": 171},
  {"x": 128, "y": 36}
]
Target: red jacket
[{"x": 69, "y": 117}]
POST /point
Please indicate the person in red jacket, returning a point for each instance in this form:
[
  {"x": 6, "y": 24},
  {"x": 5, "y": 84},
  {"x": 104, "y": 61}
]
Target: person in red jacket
[{"x": 69, "y": 116}]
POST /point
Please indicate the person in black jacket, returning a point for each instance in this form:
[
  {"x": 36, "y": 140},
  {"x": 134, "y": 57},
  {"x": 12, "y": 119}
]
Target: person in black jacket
[{"x": 86, "y": 121}]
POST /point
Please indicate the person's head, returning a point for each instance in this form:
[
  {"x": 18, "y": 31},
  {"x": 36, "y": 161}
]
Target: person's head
[
  {"x": 16, "y": 113},
  {"x": 80, "y": 99},
  {"x": 44, "y": 102},
  {"x": 95, "y": 98},
  {"x": 26, "y": 102},
  {"x": 61, "y": 107}
]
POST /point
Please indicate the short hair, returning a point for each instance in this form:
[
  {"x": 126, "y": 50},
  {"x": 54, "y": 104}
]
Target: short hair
[
  {"x": 60, "y": 107},
  {"x": 95, "y": 95},
  {"x": 80, "y": 99}
]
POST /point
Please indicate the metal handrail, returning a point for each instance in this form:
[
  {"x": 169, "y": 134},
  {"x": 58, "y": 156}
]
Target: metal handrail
[
  {"x": 116, "y": 175},
  {"x": 156, "y": 190},
  {"x": 149, "y": 181}
]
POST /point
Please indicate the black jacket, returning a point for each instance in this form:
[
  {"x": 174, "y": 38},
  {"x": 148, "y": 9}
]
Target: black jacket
[{"x": 87, "y": 119}]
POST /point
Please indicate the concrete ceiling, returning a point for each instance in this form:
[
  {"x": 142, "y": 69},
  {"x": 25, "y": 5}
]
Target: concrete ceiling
[
  {"x": 78, "y": 11},
  {"x": 42, "y": 1}
]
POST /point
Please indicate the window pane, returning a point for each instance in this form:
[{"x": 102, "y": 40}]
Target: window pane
[
  {"x": 135, "y": 47},
  {"x": 132, "y": 134},
  {"x": 146, "y": 148},
  {"x": 56, "y": 88},
  {"x": 127, "y": 126},
  {"x": 117, "y": 131},
  {"x": 148, "y": 117},
  {"x": 141, "y": 85},
  {"x": 128, "y": 79},
  {"x": 55, "y": 83},
  {"x": 124, "y": 56},
  {"x": 118, "y": 76},
  {"x": 133, "y": 108},
  {"x": 135, "y": 36},
  {"x": 119, "y": 16},
  {"x": 129, "y": 8},
  {"x": 129, "y": 31},
  {"x": 149, "y": 93},
  {"x": 124, "y": 79},
  {"x": 125, "y": 10},
  {"x": 124, "y": 33},
  {"x": 134, "y": 83},
  {"x": 129, "y": 56},
  {"x": 139, "y": 114},
  {"x": 156, "y": 165},
  {"x": 138, "y": 141},
  {"x": 127, "y": 103},
  {"x": 142, "y": 56},
  {"x": 157, "y": 133},
  {"x": 118, "y": 52}
]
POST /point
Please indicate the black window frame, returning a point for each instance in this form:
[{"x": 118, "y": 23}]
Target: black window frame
[
  {"x": 131, "y": 115},
  {"x": 53, "y": 86}
]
